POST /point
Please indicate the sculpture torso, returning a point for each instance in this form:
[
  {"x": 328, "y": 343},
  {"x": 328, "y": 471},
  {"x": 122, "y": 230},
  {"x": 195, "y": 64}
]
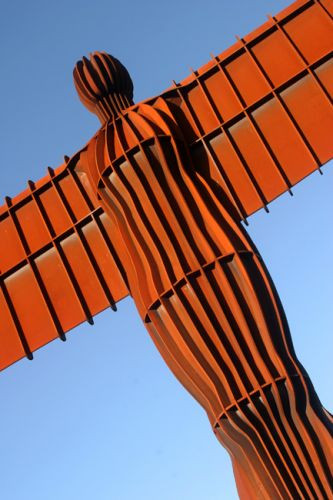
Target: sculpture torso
[
  {"x": 170, "y": 220},
  {"x": 174, "y": 229}
]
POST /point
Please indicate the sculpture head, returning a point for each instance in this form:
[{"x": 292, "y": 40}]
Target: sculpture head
[{"x": 103, "y": 84}]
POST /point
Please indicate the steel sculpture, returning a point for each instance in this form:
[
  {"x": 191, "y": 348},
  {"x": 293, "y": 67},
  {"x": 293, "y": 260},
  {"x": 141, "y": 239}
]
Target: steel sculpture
[{"x": 152, "y": 207}]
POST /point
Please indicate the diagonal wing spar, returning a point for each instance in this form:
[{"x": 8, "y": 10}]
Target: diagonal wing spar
[{"x": 258, "y": 119}]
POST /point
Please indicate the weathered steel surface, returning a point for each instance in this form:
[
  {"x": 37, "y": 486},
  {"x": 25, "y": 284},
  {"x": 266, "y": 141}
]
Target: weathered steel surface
[
  {"x": 259, "y": 116},
  {"x": 152, "y": 206},
  {"x": 58, "y": 266}
]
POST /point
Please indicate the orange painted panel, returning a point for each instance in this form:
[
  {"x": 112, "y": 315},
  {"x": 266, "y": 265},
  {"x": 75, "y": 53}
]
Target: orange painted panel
[
  {"x": 104, "y": 260},
  {"x": 257, "y": 158},
  {"x": 32, "y": 225},
  {"x": 325, "y": 74},
  {"x": 54, "y": 209},
  {"x": 222, "y": 95},
  {"x": 84, "y": 274},
  {"x": 11, "y": 249},
  {"x": 52, "y": 302},
  {"x": 30, "y": 307},
  {"x": 10, "y": 345},
  {"x": 247, "y": 78},
  {"x": 204, "y": 113},
  {"x": 235, "y": 171},
  {"x": 285, "y": 141},
  {"x": 328, "y": 4},
  {"x": 277, "y": 57},
  {"x": 115, "y": 238},
  {"x": 312, "y": 32},
  {"x": 60, "y": 290},
  {"x": 70, "y": 191},
  {"x": 313, "y": 113}
]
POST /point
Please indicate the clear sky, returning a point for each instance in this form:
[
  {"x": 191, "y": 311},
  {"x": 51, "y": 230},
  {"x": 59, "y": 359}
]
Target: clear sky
[{"x": 101, "y": 417}]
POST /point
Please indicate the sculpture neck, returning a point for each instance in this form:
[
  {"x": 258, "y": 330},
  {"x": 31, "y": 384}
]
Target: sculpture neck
[{"x": 111, "y": 105}]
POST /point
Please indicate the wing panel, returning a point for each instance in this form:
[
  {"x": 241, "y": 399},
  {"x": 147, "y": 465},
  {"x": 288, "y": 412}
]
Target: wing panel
[
  {"x": 11, "y": 345},
  {"x": 67, "y": 309},
  {"x": 58, "y": 266},
  {"x": 11, "y": 249},
  {"x": 107, "y": 269},
  {"x": 284, "y": 140},
  {"x": 285, "y": 63},
  {"x": 246, "y": 78},
  {"x": 54, "y": 209},
  {"x": 263, "y": 108},
  {"x": 205, "y": 116},
  {"x": 33, "y": 315},
  {"x": 30, "y": 225},
  {"x": 256, "y": 158},
  {"x": 233, "y": 169},
  {"x": 324, "y": 72},
  {"x": 313, "y": 113},
  {"x": 311, "y": 31},
  {"x": 221, "y": 95},
  {"x": 68, "y": 189},
  {"x": 83, "y": 275},
  {"x": 328, "y": 5}
]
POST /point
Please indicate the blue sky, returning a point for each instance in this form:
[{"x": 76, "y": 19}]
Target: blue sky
[{"x": 101, "y": 417}]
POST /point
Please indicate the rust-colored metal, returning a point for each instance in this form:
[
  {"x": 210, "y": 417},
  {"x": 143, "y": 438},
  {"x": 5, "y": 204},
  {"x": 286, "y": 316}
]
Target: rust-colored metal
[
  {"x": 58, "y": 264},
  {"x": 152, "y": 207}
]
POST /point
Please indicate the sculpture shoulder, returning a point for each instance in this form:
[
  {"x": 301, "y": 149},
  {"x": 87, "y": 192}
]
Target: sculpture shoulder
[
  {"x": 136, "y": 125},
  {"x": 140, "y": 128}
]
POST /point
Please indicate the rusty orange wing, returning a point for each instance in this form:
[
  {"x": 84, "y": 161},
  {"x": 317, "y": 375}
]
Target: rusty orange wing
[
  {"x": 58, "y": 266},
  {"x": 258, "y": 118}
]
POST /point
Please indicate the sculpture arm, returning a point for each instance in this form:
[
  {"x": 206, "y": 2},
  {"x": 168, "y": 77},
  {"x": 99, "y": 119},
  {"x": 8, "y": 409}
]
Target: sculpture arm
[
  {"x": 58, "y": 265},
  {"x": 258, "y": 118}
]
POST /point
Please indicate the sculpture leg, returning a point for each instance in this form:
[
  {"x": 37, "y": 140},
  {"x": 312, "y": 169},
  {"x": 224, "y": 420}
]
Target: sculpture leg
[{"x": 223, "y": 332}]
